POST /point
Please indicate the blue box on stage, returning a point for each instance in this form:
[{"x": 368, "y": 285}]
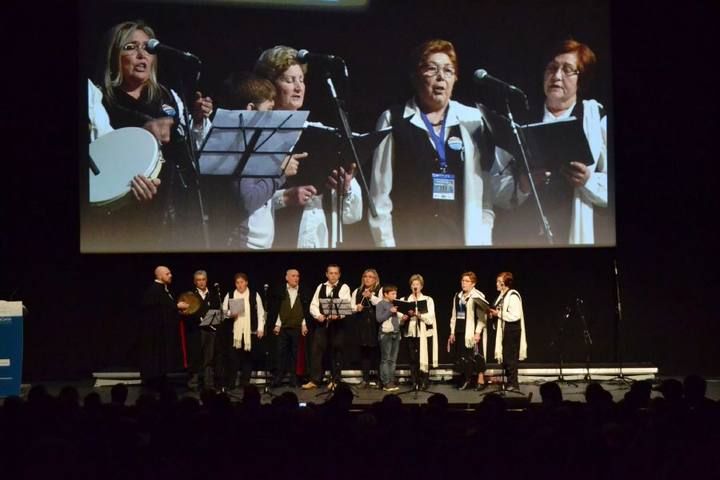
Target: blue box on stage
[{"x": 11, "y": 348}]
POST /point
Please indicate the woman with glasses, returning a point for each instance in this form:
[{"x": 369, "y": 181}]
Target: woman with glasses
[
  {"x": 570, "y": 196},
  {"x": 309, "y": 228},
  {"x": 430, "y": 178},
  {"x": 132, "y": 97}
]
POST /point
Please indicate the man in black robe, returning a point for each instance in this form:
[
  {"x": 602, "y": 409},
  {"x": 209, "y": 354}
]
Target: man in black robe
[{"x": 160, "y": 347}]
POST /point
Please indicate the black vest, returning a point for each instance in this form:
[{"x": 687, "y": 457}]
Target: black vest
[
  {"x": 418, "y": 219},
  {"x": 176, "y": 200},
  {"x": 253, "y": 308},
  {"x": 291, "y": 317}
]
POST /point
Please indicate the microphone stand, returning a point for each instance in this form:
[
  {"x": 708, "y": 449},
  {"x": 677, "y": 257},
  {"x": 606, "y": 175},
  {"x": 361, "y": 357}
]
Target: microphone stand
[
  {"x": 587, "y": 338},
  {"x": 193, "y": 154},
  {"x": 346, "y": 133},
  {"x": 560, "y": 343},
  {"x": 620, "y": 377},
  {"x": 266, "y": 389},
  {"x": 525, "y": 154}
]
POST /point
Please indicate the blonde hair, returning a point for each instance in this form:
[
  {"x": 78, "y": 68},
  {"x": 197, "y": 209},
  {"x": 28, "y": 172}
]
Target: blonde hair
[
  {"x": 274, "y": 61},
  {"x": 113, "y": 76},
  {"x": 377, "y": 278},
  {"x": 417, "y": 277}
]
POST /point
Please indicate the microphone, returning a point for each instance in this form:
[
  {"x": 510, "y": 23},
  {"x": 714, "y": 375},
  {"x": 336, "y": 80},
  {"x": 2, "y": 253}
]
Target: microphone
[
  {"x": 154, "y": 46},
  {"x": 265, "y": 287},
  {"x": 304, "y": 56},
  {"x": 481, "y": 76},
  {"x": 216, "y": 285}
]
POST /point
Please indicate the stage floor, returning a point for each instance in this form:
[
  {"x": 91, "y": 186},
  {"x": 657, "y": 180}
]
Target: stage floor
[{"x": 364, "y": 397}]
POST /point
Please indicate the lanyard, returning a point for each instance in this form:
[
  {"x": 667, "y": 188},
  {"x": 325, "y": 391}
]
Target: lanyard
[{"x": 438, "y": 140}]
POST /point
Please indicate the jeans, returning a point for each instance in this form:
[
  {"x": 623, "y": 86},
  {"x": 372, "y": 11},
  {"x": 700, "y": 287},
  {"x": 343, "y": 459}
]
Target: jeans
[{"x": 389, "y": 346}]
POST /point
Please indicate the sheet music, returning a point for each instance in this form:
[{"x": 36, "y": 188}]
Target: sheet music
[
  {"x": 232, "y": 132},
  {"x": 236, "y": 307}
]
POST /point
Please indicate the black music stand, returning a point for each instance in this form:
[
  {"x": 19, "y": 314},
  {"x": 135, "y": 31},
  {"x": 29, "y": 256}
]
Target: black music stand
[{"x": 250, "y": 144}]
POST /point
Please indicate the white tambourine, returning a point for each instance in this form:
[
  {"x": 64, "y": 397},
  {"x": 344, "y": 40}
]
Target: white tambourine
[{"x": 119, "y": 156}]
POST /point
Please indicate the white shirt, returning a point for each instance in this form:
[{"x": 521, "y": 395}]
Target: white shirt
[
  {"x": 511, "y": 310},
  {"x": 246, "y": 317},
  {"x": 315, "y": 303},
  {"x": 427, "y": 318},
  {"x": 97, "y": 115}
]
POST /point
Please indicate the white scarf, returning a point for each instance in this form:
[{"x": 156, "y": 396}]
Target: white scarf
[
  {"x": 423, "y": 333},
  {"x": 242, "y": 335},
  {"x": 470, "y": 324},
  {"x": 582, "y": 222},
  {"x": 501, "y": 327}
]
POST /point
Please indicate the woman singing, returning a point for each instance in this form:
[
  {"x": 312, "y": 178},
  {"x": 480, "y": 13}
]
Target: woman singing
[
  {"x": 281, "y": 66},
  {"x": 133, "y": 97},
  {"x": 466, "y": 331},
  {"x": 511, "y": 344},
  {"x": 430, "y": 178},
  {"x": 419, "y": 332},
  {"x": 364, "y": 299}
]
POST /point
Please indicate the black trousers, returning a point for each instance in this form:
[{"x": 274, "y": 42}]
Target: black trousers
[
  {"x": 331, "y": 337},
  {"x": 202, "y": 356},
  {"x": 465, "y": 363},
  {"x": 369, "y": 360},
  {"x": 287, "y": 352},
  {"x": 511, "y": 351},
  {"x": 413, "y": 348},
  {"x": 231, "y": 359},
  {"x": 242, "y": 362}
]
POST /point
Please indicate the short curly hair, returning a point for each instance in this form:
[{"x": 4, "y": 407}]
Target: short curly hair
[{"x": 274, "y": 61}]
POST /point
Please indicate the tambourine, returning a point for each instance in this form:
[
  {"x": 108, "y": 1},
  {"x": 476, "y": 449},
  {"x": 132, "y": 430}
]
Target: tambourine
[
  {"x": 193, "y": 302},
  {"x": 119, "y": 156}
]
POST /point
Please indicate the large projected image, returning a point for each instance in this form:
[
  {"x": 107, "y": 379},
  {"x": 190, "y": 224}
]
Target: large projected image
[{"x": 402, "y": 126}]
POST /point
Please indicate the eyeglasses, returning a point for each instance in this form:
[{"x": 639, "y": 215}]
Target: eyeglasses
[
  {"x": 566, "y": 69},
  {"x": 132, "y": 47},
  {"x": 432, "y": 69}
]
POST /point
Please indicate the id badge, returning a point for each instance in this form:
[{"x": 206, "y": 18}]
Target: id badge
[{"x": 443, "y": 186}]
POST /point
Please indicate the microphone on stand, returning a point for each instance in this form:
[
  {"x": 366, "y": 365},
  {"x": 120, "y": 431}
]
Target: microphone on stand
[
  {"x": 304, "y": 56},
  {"x": 482, "y": 77},
  {"x": 154, "y": 46}
]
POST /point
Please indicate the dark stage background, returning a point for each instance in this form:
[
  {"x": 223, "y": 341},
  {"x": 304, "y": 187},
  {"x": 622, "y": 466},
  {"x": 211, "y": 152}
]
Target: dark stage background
[{"x": 84, "y": 307}]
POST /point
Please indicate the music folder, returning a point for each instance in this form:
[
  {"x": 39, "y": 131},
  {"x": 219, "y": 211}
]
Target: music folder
[
  {"x": 404, "y": 307},
  {"x": 327, "y": 151},
  {"x": 555, "y": 144},
  {"x": 249, "y": 143},
  {"x": 481, "y": 304},
  {"x": 550, "y": 144}
]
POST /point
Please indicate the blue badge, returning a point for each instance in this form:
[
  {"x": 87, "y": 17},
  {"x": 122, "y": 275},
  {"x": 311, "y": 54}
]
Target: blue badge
[
  {"x": 443, "y": 186},
  {"x": 455, "y": 143},
  {"x": 168, "y": 110}
]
